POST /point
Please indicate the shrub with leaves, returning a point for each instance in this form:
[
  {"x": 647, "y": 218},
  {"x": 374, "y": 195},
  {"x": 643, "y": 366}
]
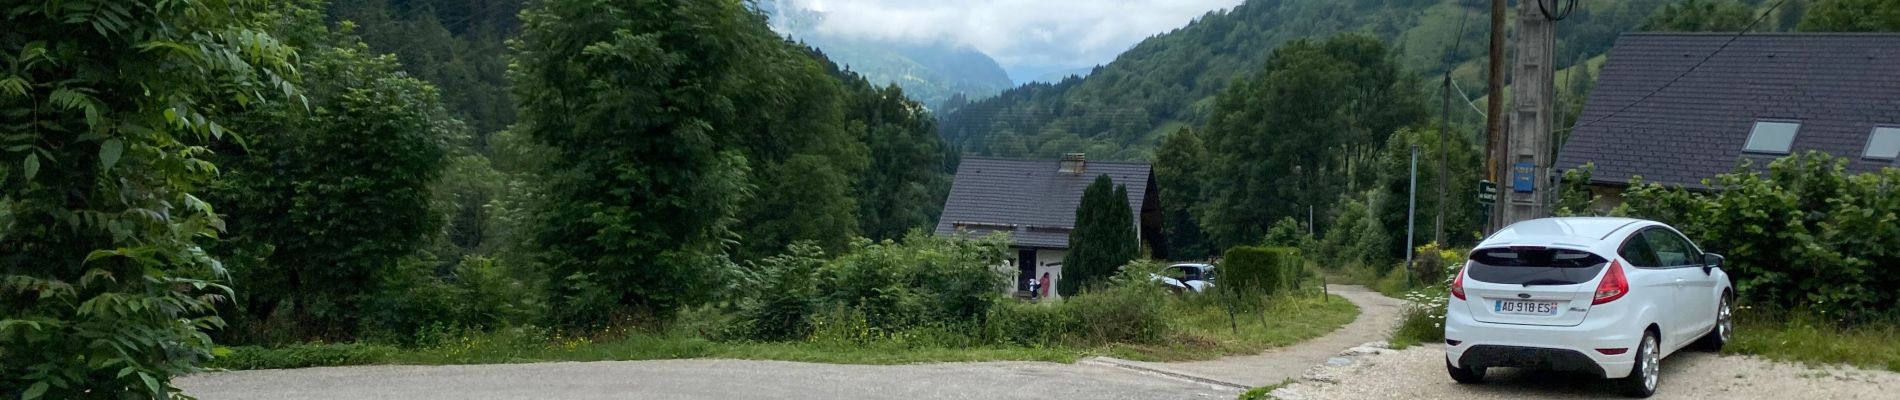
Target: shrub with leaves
[
  {"x": 1802, "y": 234},
  {"x": 782, "y": 294},
  {"x": 1257, "y": 271},
  {"x": 923, "y": 279},
  {"x": 107, "y": 108}
]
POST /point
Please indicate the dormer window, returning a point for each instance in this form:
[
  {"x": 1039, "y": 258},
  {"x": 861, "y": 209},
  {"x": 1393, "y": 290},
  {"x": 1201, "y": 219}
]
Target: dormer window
[
  {"x": 1883, "y": 143},
  {"x": 1772, "y": 137}
]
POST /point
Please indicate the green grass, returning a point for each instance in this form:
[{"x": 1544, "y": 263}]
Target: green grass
[
  {"x": 1200, "y": 330},
  {"x": 1802, "y": 337},
  {"x": 1418, "y": 326},
  {"x": 1261, "y": 393},
  {"x": 1203, "y": 330}
]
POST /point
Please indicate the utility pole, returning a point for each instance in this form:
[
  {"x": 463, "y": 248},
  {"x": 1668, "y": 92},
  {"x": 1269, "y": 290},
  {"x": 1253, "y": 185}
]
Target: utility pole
[
  {"x": 1411, "y": 215},
  {"x": 1444, "y": 163},
  {"x": 1533, "y": 90},
  {"x": 1494, "y": 111}
]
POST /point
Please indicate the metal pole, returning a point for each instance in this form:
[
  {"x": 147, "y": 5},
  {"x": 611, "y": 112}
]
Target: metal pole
[{"x": 1411, "y": 214}]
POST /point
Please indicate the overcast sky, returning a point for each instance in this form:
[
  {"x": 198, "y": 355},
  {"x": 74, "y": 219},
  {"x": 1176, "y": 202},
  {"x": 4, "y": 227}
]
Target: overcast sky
[{"x": 1025, "y": 36}]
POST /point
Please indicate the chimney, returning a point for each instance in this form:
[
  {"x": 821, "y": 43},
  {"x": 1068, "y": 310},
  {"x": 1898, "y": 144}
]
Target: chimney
[{"x": 1073, "y": 163}]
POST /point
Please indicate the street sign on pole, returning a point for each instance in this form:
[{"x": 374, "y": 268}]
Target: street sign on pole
[{"x": 1487, "y": 192}]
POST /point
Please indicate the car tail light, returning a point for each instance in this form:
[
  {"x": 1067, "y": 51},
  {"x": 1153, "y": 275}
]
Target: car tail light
[
  {"x": 1458, "y": 284},
  {"x": 1613, "y": 286},
  {"x": 1615, "y": 351}
]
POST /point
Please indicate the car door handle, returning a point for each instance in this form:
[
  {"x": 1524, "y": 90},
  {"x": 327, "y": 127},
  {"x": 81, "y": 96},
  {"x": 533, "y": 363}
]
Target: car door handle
[{"x": 1679, "y": 282}]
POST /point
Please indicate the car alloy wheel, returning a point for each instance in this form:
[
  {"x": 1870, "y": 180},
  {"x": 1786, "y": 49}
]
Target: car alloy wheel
[
  {"x": 1724, "y": 322},
  {"x": 1652, "y": 362}
]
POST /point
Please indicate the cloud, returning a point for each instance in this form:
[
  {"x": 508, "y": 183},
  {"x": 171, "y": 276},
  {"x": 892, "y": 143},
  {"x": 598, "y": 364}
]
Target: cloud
[{"x": 1055, "y": 33}]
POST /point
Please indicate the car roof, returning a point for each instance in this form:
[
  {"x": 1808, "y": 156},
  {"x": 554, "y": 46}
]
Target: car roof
[
  {"x": 1581, "y": 232},
  {"x": 1190, "y": 265}
]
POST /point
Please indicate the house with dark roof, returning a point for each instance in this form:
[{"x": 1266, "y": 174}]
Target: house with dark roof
[
  {"x": 1034, "y": 202},
  {"x": 1662, "y": 112}
]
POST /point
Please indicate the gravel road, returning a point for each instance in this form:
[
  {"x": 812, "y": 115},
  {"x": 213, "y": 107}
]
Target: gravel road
[
  {"x": 1377, "y": 315},
  {"x": 1419, "y": 373},
  {"x": 702, "y": 379}
]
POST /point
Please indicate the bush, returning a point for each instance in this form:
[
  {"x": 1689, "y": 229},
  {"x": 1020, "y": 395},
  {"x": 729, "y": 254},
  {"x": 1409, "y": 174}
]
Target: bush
[
  {"x": 1126, "y": 313},
  {"x": 1432, "y": 263},
  {"x": 784, "y": 296},
  {"x": 1129, "y": 309},
  {"x": 415, "y": 303},
  {"x": 874, "y": 287},
  {"x": 1422, "y": 320},
  {"x": 302, "y": 355},
  {"x": 1804, "y": 234},
  {"x": 1260, "y": 270}
]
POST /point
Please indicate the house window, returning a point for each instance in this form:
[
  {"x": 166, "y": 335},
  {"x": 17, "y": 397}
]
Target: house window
[
  {"x": 1884, "y": 144},
  {"x": 1772, "y": 137}
]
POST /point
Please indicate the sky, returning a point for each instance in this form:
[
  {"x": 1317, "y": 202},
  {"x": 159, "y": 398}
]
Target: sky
[{"x": 1028, "y": 37}]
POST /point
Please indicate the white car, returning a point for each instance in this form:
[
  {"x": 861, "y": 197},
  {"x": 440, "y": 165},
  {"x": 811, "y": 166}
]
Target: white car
[
  {"x": 1605, "y": 296},
  {"x": 1195, "y": 278}
]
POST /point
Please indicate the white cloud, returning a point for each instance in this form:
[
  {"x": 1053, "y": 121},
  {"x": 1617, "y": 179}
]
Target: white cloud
[{"x": 1053, "y": 33}]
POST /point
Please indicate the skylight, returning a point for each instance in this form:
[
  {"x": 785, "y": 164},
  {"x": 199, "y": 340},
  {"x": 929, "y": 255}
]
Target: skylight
[
  {"x": 1772, "y": 137},
  {"x": 1884, "y": 143}
]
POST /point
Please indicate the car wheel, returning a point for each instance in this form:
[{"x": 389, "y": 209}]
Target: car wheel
[
  {"x": 1647, "y": 373},
  {"x": 1467, "y": 375},
  {"x": 1724, "y": 328}
]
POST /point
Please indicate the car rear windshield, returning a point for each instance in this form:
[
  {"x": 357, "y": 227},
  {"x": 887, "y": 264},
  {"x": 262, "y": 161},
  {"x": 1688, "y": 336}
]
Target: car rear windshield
[{"x": 1534, "y": 266}]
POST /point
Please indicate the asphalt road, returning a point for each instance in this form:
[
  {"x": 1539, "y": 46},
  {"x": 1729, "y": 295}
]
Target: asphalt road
[
  {"x": 702, "y": 379},
  {"x": 728, "y": 379}
]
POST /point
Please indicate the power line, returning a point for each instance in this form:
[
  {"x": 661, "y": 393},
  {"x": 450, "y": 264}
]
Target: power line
[
  {"x": 1560, "y": 15},
  {"x": 1692, "y": 68}
]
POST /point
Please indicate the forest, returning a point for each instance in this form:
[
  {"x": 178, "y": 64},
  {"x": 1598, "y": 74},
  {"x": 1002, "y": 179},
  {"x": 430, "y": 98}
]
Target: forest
[
  {"x": 182, "y": 176},
  {"x": 183, "y": 173}
]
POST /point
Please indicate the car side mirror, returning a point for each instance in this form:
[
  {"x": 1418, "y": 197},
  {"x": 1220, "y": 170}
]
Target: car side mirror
[{"x": 1710, "y": 261}]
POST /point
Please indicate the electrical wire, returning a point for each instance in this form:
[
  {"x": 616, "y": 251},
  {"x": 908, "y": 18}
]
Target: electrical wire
[
  {"x": 1672, "y": 81},
  {"x": 1565, "y": 11}
]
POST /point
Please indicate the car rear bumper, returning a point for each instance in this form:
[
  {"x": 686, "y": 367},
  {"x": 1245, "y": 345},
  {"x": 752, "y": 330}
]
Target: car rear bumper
[
  {"x": 1560, "y": 348},
  {"x": 1539, "y": 358}
]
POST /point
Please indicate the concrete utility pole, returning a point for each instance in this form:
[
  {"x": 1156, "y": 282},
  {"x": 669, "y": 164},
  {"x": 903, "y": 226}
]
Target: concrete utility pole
[
  {"x": 1533, "y": 90},
  {"x": 1411, "y": 216},
  {"x": 1494, "y": 111}
]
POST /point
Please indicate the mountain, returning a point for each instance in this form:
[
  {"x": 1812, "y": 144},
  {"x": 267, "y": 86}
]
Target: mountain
[
  {"x": 1058, "y": 76},
  {"x": 930, "y": 73},
  {"x": 1123, "y": 109}
]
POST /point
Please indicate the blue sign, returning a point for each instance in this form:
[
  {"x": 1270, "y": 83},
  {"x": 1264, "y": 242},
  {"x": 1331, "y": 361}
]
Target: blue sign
[{"x": 1523, "y": 177}]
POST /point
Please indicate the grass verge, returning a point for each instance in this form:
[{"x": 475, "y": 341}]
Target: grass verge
[
  {"x": 1799, "y": 337},
  {"x": 1263, "y": 392},
  {"x": 1205, "y": 331},
  {"x": 1200, "y": 329}
]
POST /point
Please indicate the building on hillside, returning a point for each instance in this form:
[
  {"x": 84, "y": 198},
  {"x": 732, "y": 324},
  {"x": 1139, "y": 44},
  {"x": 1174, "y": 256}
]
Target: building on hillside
[
  {"x": 1035, "y": 201},
  {"x": 1662, "y": 113}
]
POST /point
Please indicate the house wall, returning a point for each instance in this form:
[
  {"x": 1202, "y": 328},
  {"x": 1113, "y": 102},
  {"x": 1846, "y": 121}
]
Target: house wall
[{"x": 1048, "y": 261}]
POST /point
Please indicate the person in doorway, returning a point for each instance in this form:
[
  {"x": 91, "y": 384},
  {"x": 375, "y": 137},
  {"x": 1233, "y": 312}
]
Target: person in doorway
[
  {"x": 1035, "y": 287},
  {"x": 1044, "y": 284}
]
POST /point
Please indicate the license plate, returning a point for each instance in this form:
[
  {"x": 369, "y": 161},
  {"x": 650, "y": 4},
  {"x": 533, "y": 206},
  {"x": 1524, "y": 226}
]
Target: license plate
[{"x": 1525, "y": 307}]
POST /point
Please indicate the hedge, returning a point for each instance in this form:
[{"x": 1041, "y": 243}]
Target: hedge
[{"x": 1260, "y": 270}]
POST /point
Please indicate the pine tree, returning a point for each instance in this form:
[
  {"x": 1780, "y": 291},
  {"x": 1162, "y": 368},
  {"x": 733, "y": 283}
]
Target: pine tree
[{"x": 1103, "y": 239}]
